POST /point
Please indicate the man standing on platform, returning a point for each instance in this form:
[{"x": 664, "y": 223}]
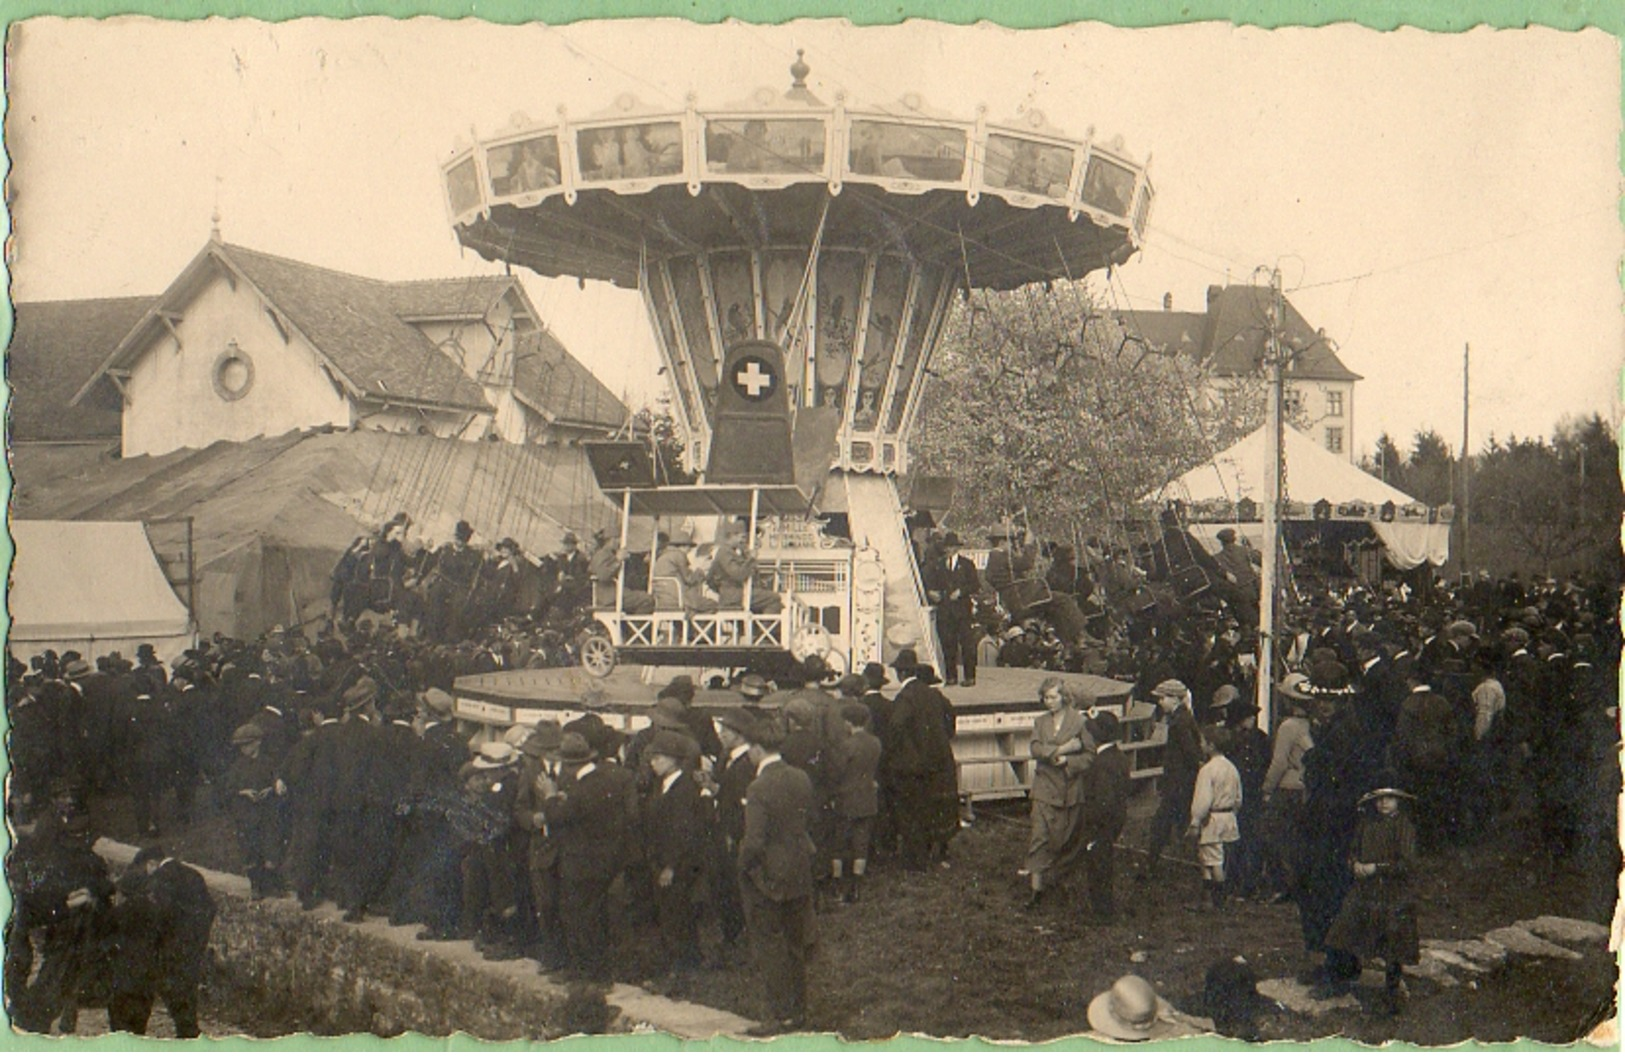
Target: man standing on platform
[
  {"x": 951, "y": 582},
  {"x": 775, "y": 876}
]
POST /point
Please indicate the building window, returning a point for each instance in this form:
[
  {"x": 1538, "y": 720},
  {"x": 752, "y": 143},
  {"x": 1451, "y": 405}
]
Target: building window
[
  {"x": 233, "y": 373},
  {"x": 1334, "y": 405},
  {"x": 1334, "y": 439},
  {"x": 1292, "y": 403}
]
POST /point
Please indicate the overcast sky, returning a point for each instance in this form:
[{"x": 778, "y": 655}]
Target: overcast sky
[{"x": 1418, "y": 191}]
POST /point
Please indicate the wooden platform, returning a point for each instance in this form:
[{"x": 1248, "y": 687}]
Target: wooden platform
[{"x": 997, "y": 689}]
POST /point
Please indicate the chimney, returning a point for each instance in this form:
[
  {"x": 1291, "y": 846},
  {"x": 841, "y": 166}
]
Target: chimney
[
  {"x": 1168, "y": 302},
  {"x": 1213, "y": 296}
]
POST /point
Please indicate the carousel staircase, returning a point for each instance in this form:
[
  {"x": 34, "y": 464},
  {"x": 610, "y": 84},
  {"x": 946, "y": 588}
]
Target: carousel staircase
[{"x": 875, "y": 517}]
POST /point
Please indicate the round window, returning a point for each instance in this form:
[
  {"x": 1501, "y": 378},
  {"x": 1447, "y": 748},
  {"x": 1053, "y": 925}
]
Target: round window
[{"x": 233, "y": 373}]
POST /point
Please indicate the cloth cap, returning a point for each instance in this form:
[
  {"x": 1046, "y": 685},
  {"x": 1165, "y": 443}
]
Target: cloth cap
[
  {"x": 1224, "y": 696},
  {"x": 1461, "y": 627},
  {"x": 672, "y": 745},
  {"x": 361, "y": 694},
  {"x": 736, "y": 719},
  {"x": 438, "y": 701},
  {"x": 1170, "y": 687},
  {"x": 753, "y": 686},
  {"x": 851, "y": 686},
  {"x": 247, "y": 733},
  {"x": 493, "y": 754},
  {"x": 573, "y": 748},
  {"x": 856, "y": 713}
]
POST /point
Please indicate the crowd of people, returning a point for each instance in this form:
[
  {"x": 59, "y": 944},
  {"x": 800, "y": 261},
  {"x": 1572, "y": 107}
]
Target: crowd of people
[{"x": 1403, "y": 721}]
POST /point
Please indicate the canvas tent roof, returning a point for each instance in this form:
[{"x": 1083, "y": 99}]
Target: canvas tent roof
[
  {"x": 95, "y": 586},
  {"x": 1312, "y": 473}
]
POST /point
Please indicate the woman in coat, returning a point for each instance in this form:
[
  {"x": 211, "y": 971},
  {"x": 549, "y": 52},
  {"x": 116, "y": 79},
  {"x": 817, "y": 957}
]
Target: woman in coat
[
  {"x": 1378, "y": 916},
  {"x": 1059, "y": 739}
]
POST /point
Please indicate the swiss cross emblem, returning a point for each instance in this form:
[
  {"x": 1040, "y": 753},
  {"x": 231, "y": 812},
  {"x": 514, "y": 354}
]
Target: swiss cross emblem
[{"x": 753, "y": 378}]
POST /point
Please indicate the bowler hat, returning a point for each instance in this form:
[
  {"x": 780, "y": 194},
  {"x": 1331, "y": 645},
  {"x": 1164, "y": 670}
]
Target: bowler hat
[
  {"x": 907, "y": 660},
  {"x": 77, "y": 669},
  {"x": 464, "y": 531},
  {"x": 851, "y": 686},
  {"x": 753, "y": 687},
  {"x": 875, "y": 675},
  {"x": 950, "y": 541},
  {"x": 571, "y": 539},
  {"x": 1105, "y": 727},
  {"x": 546, "y": 737}
]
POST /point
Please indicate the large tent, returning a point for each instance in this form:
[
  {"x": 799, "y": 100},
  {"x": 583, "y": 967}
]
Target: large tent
[
  {"x": 93, "y": 586},
  {"x": 271, "y": 516},
  {"x": 1319, "y": 485}
]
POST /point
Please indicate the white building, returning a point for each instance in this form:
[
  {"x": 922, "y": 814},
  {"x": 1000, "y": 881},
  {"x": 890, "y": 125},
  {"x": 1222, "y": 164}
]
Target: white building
[
  {"x": 1228, "y": 341},
  {"x": 245, "y": 344}
]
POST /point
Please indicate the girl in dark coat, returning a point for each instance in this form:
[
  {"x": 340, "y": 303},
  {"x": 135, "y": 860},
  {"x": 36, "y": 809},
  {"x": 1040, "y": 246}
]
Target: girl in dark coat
[{"x": 1378, "y": 916}]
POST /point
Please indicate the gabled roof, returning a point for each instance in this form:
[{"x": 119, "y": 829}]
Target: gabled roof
[
  {"x": 350, "y": 321},
  {"x": 449, "y": 299},
  {"x": 56, "y": 349},
  {"x": 1230, "y": 337},
  {"x": 551, "y": 380}
]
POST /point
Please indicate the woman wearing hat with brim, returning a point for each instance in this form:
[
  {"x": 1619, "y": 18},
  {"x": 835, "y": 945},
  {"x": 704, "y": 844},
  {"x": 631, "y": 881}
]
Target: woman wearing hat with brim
[
  {"x": 1283, "y": 788},
  {"x": 1378, "y": 915}
]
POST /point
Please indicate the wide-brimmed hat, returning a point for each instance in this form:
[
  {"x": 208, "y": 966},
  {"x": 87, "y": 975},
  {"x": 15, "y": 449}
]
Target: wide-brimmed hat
[
  {"x": 573, "y": 748},
  {"x": 495, "y": 754},
  {"x": 1295, "y": 687},
  {"x": 874, "y": 674},
  {"x": 905, "y": 663},
  {"x": 1130, "y": 1011},
  {"x": 1387, "y": 785},
  {"x": 77, "y": 669}
]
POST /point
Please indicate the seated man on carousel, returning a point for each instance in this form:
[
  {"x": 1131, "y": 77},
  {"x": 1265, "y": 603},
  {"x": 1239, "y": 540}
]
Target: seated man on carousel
[
  {"x": 676, "y": 584},
  {"x": 604, "y": 568},
  {"x": 734, "y": 568}
]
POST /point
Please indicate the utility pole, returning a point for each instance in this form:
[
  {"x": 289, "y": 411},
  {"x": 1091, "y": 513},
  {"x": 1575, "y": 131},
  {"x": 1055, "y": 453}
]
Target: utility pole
[
  {"x": 1466, "y": 467},
  {"x": 1272, "y": 509}
]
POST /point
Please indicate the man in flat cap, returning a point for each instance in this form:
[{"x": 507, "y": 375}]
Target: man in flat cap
[
  {"x": 247, "y": 793},
  {"x": 1182, "y": 757}
]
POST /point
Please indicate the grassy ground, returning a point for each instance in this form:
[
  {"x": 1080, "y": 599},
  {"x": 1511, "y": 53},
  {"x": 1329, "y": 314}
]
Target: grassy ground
[{"x": 950, "y": 953}]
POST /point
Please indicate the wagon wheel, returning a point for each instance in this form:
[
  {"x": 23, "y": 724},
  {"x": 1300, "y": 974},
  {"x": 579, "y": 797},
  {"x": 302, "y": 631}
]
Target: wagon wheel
[{"x": 597, "y": 655}]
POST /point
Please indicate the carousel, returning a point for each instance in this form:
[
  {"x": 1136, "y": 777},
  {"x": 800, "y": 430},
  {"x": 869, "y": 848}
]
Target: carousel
[{"x": 831, "y": 237}]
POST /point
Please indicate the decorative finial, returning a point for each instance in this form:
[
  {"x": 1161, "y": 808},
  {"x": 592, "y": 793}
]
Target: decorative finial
[
  {"x": 214, "y": 217},
  {"x": 799, "y": 70}
]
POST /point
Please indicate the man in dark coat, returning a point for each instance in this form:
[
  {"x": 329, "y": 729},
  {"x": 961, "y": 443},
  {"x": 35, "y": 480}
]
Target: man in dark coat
[
  {"x": 246, "y": 792},
  {"x": 588, "y": 819},
  {"x": 308, "y": 779},
  {"x": 737, "y": 770},
  {"x": 775, "y": 870},
  {"x": 164, "y": 918},
  {"x": 919, "y": 763},
  {"x": 1106, "y": 785},
  {"x": 450, "y": 585},
  {"x": 1428, "y": 751},
  {"x": 61, "y": 887},
  {"x": 1182, "y": 757},
  {"x": 951, "y": 583},
  {"x": 676, "y": 834}
]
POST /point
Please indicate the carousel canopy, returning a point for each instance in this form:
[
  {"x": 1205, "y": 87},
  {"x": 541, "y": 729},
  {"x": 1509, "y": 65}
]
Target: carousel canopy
[{"x": 1229, "y": 490}]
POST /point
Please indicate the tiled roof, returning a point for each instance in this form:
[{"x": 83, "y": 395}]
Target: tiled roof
[
  {"x": 353, "y": 321},
  {"x": 57, "y": 346},
  {"x": 1230, "y": 337},
  {"x": 448, "y": 298},
  {"x": 549, "y": 377}
]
